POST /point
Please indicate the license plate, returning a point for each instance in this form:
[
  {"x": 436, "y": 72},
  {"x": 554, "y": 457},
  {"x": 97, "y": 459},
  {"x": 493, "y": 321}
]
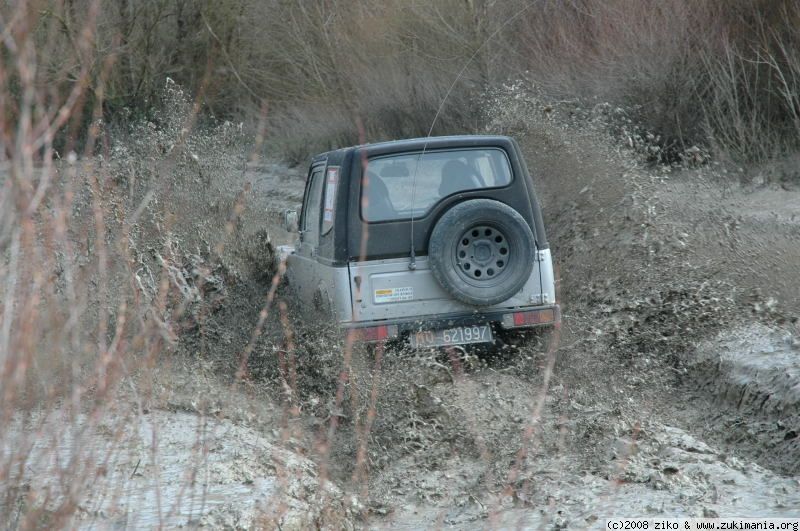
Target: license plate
[{"x": 459, "y": 335}]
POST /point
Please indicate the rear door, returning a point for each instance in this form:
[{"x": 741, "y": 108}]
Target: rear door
[
  {"x": 303, "y": 264},
  {"x": 397, "y": 188},
  {"x": 388, "y": 289}
]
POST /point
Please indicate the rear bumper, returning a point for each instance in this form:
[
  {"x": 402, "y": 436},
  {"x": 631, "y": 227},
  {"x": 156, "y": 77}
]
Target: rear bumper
[{"x": 507, "y": 319}]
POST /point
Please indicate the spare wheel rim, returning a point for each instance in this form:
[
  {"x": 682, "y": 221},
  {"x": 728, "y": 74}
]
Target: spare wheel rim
[{"x": 482, "y": 255}]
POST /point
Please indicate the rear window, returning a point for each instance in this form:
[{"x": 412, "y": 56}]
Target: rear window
[{"x": 391, "y": 192}]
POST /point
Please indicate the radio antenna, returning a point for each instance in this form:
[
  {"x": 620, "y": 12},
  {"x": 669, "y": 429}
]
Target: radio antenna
[{"x": 412, "y": 262}]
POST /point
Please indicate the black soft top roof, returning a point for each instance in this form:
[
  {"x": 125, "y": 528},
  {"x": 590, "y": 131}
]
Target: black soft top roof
[
  {"x": 432, "y": 142},
  {"x": 392, "y": 239}
]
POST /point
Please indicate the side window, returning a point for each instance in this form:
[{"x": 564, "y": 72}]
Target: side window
[
  {"x": 312, "y": 207},
  {"x": 328, "y": 211}
]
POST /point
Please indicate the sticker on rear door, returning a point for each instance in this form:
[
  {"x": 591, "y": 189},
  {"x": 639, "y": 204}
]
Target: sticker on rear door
[{"x": 384, "y": 295}]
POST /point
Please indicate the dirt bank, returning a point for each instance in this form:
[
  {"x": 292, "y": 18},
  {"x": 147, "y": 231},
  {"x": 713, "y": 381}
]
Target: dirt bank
[
  {"x": 172, "y": 469},
  {"x": 747, "y": 388}
]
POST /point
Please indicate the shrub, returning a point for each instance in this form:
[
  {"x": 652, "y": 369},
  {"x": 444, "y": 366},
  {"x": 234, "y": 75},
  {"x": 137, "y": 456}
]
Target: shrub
[{"x": 717, "y": 73}]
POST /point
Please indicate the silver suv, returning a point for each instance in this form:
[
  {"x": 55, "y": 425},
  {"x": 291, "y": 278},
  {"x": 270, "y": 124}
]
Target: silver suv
[{"x": 432, "y": 241}]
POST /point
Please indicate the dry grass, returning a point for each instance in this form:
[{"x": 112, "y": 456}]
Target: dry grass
[
  {"x": 110, "y": 258},
  {"x": 718, "y": 74},
  {"x": 713, "y": 73}
]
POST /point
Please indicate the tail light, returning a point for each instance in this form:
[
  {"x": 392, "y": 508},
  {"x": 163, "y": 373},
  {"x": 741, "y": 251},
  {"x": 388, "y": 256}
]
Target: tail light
[
  {"x": 530, "y": 318},
  {"x": 371, "y": 334}
]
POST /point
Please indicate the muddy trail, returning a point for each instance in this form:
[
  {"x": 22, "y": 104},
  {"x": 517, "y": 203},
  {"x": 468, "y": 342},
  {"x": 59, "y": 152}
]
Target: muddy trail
[{"x": 672, "y": 388}]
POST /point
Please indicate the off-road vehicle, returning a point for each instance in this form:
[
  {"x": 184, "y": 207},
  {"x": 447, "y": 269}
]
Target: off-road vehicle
[{"x": 435, "y": 241}]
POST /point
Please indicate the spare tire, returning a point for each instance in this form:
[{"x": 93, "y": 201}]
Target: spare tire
[{"x": 481, "y": 251}]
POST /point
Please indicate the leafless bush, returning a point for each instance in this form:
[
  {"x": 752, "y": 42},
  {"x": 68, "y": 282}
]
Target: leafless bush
[
  {"x": 627, "y": 53},
  {"x": 717, "y": 74},
  {"x": 752, "y": 108},
  {"x": 108, "y": 261},
  {"x": 712, "y": 73}
]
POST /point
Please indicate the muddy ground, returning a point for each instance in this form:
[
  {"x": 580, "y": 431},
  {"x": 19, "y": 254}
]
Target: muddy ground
[{"x": 672, "y": 389}]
